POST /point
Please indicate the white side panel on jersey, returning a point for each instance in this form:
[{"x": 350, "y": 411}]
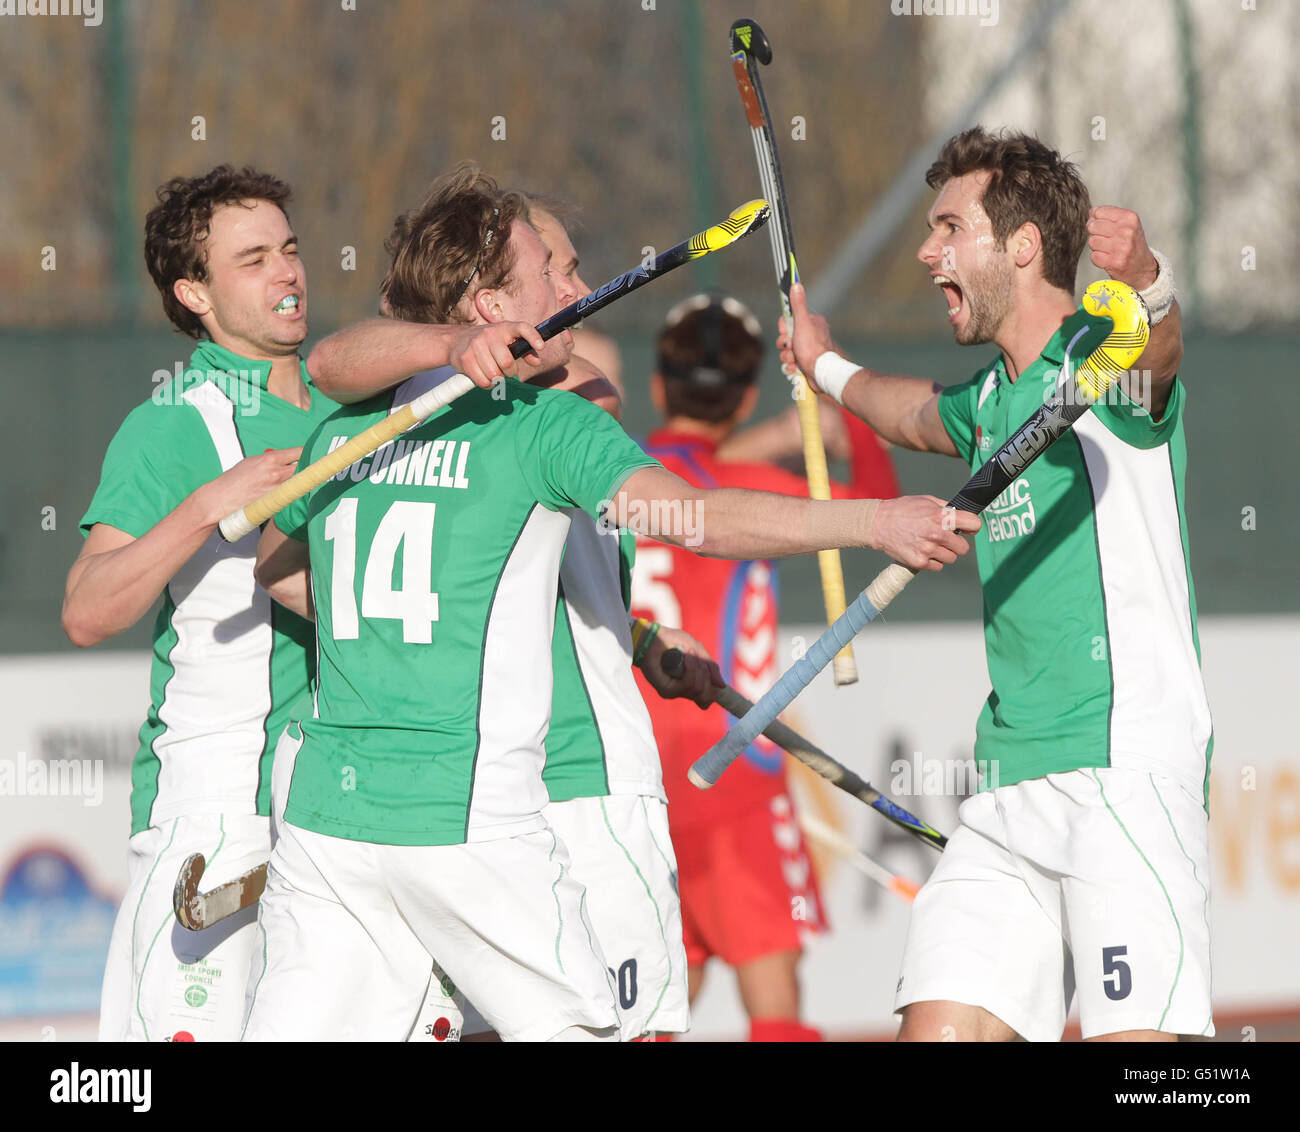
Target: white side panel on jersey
[
  {"x": 418, "y": 385},
  {"x": 515, "y": 701},
  {"x": 1160, "y": 719},
  {"x": 602, "y": 638},
  {"x": 216, "y": 702}
]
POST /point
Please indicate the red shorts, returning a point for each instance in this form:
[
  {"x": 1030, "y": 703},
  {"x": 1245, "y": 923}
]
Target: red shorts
[{"x": 747, "y": 886}]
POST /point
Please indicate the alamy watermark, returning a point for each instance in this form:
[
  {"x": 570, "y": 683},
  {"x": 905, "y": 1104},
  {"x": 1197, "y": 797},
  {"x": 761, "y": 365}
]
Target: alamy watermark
[
  {"x": 1131, "y": 388},
  {"x": 666, "y": 519},
  {"x": 102, "y": 1086},
  {"x": 951, "y": 778},
  {"x": 90, "y": 11},
  {"x": 986, "y": 10},
  {"x": 189, "y": 386},
  {"x": 52, "y": 778}
]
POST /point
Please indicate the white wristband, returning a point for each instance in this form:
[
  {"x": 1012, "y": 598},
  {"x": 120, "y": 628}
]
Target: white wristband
[
  {"x": 832, "y": 373},
  {"x": 1159, "y": 297}
]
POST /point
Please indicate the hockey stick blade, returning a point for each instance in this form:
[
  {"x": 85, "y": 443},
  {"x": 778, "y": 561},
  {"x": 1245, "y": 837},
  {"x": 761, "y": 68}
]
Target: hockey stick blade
[{"x": 199, "y": 910}]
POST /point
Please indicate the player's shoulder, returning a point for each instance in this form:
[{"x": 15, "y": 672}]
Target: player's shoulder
[
  {"x": 547, "y": 415},
  {"x": 560, "y": 402},
  {"x": 985, "y": 377},
  {"x": 167, "y": 418}
]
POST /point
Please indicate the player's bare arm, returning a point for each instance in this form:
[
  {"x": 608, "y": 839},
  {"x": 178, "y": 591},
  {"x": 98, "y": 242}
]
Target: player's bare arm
[
  {"x": 1119, "y": 247},
  {"x": 735, "y": 523},
  {"x": 903, "y": 410},
  {"x": 371, "y": 356},
  {"x": 117, "y": 578},
  {"x": 283, "y": 570}
]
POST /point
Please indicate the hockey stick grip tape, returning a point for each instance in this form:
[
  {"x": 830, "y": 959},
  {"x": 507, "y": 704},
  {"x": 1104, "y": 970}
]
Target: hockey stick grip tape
[
  {"x": 239, "y": 523},
  {"x": 829, "y": 563},
  {"x": 886, "y": 586}
]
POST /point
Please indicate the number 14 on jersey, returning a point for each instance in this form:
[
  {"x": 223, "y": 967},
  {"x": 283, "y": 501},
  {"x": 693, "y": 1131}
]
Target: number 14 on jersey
[{"x": 407, "y": 526}]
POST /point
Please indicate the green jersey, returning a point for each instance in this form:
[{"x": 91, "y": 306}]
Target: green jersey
[
  {"x": 434, "y": 571},
  {"x": 228, "y": 662},
  {"x": 601, "y": 740},
  {"x": 1089, "y": 609}
]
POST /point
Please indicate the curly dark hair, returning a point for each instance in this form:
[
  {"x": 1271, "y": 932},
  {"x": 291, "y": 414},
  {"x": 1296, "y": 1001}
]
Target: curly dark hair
[
  {"x": 1031, "y": 182},
  {"x": 177, "y": 227}
]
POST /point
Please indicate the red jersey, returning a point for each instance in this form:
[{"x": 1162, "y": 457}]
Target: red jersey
[
  {"x": 871, "y": 471},
  {"x": 731, "y": 609}
]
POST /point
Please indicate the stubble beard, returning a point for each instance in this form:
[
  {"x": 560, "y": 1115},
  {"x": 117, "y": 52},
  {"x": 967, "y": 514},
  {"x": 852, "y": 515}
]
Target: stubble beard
[{"x": 990, "y": 295}]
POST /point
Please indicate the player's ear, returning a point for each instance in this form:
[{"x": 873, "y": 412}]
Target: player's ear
[
  {"x": 192, "y": 295},
  {"x": 657, "y": 398},
  {"x": 487, "y": 304},
  {"x": 1026, "y": 243}
]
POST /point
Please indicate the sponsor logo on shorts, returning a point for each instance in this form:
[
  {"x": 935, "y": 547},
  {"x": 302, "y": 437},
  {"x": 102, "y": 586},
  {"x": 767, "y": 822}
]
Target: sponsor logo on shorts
[
  {"x": 195, "y": 997},
  {"x": 181, "y": 1036},
  {"x": 443, "y": 1031}
]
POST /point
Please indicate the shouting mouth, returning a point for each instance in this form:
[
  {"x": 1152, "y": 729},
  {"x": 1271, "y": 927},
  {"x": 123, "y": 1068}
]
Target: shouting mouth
[{"x": 953, "y": 293}]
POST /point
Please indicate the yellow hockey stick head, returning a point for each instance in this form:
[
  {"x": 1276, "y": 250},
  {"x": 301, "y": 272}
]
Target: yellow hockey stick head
[
  {"x": 749, "y": 217},
  {"x": 1108, "y": 298}
]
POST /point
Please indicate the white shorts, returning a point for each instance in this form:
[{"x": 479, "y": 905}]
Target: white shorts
[
  {"x": 349, "y": 929},
  {"x": 163, "y": 982},
  {"x": 1095, "y": 879},
  {"x": 623, "y": 855}
]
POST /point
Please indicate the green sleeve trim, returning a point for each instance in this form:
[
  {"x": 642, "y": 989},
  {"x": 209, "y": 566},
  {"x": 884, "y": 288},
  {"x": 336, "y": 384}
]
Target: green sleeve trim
[
  {"x": 957, "y": 412},
  {"x": 132, "y": 523}
]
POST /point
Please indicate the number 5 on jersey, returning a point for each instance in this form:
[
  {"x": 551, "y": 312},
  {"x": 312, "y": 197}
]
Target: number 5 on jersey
[{"x": 407, "y": 526}]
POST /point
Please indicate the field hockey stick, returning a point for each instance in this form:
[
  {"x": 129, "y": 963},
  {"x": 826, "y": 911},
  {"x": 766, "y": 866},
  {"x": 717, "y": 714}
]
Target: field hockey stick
[
  {"x": 742, "y": 221},
  {"x": 1114, "y": 304},
  {"x": 749, "y": 47},
  {"x": 198, "y": 910},
  {"x": 831, "y": 838},
  {"x": 673, "y": 662}
]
